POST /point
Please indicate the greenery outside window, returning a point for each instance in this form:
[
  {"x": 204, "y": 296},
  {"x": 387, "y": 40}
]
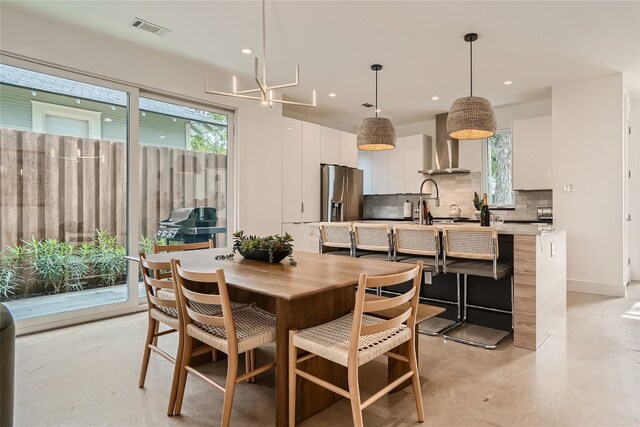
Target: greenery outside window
[{"x": 498, "y": 172}]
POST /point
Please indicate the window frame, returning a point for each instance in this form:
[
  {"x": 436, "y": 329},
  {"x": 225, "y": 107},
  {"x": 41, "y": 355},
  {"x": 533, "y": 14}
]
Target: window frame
[
  {"x": 484, "y": 181},
  {"x": 40, "y": 110},
  {"x": 135, "y": 301}
]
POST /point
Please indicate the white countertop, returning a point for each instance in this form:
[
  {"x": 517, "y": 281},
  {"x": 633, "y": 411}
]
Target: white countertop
[{"x": 505, "y": 228}]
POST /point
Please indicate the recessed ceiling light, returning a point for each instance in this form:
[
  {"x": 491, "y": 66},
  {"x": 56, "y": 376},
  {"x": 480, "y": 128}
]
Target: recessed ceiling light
[
  {"x": 162, "y": 137},
  {"x": 332, "y": 95},
  {"x": 378, "y": 110},
  {"x": 143, "y": 114},
  {"x": 289, "y": 128},
  {"x": 508, "y": 82},
  {"x": 33, "y": 93},
  {"x": 77, "y": 101},
  {"x": 113, "y": 108},
  {"x": 435, "y": 98},
  {"x": 107, "y": 119},
  {"x": 246, "y": 51}
]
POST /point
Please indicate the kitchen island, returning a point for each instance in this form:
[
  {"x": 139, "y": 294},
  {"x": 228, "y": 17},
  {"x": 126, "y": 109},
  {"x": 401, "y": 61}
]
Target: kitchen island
[{"x": 538, "y": 254}]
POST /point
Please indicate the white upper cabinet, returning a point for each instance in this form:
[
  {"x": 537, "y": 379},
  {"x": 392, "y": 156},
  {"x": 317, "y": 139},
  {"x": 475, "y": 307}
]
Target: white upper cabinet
[
  {"x": 379, "y": 172},
  {"x": 311, "y": 154},
  {"x": 395, "y": 171},
  {"x": 348, "y": 150},
  {"x": 532, "y": 153},
  {"x": 365, "y": 163},
  {"x": 414, "y": 147},
  {"x": 330, "y": 146},
  {"x": 291, "y": 170},
  {"x": 396, "y": 168}
]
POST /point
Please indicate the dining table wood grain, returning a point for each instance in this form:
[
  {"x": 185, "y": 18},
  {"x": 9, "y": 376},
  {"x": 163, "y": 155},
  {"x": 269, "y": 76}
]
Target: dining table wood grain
[{"x": 318, "y": 289}]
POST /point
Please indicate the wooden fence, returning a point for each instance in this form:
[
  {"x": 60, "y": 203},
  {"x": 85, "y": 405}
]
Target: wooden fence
[{"x": 65, "y": 187}]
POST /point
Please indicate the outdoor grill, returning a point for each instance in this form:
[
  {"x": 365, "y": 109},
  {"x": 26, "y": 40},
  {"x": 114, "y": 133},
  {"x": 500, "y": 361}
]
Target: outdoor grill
[{"x": 190, "y": 225}]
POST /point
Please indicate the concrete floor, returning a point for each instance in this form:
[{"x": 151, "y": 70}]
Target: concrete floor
[{"x": 587, "y": 373}]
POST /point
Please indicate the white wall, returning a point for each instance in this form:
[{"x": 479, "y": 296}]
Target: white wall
[
  {"x": 587, "y": 152},
  {"x": 258, "y": 131},
  {"x": 634, "y": 189}
]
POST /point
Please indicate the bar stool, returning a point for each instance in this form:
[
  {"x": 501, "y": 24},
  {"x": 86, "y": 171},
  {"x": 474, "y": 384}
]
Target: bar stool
[
  {"x": 476, "y": 250},
  {"x": 375, "y": 239},
  {"x": 423, "y": 242},
  {"x": 337, "y": 236}
]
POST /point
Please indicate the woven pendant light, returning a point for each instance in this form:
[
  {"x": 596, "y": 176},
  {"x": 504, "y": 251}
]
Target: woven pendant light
[
  {"x": 471, "y": 117},
  {"x": 376, "y": 133}
]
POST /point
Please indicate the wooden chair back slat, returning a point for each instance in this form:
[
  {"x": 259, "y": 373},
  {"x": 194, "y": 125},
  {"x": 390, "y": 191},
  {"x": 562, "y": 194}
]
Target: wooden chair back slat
[
  {"x": 159, "y": 283},
  {"x": 161, "y": 302},
  {"x": 199, "y": 276},
  {"x": 201, "y": 298},
  {"x": 387, "y": 303},
  {"x": 387, "y": 324},
  {"x": 396, "y": 279},
  {"x": 182, "y": 247},
  {"x": 205, "y": 318}
]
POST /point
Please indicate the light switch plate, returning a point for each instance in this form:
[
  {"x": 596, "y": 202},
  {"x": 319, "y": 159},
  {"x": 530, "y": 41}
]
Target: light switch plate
[
  {"x": 568, "y": 188},
  {"x": 428, "y": 278}
]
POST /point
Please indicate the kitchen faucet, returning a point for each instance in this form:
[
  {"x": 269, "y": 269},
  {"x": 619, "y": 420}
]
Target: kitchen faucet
[{"x": 436, "y": 199}]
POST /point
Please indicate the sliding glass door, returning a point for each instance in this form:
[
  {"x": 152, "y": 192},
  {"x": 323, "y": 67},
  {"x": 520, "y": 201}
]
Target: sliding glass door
[{"x": 64, "y": 177}]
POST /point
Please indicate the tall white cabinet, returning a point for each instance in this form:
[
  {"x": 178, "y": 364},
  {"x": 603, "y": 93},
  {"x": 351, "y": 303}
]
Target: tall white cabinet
[
  {"x": 305, "y": 147},
  {"x": 531, "y": 140}
]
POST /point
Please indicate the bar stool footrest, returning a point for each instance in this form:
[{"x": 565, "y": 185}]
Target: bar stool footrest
[
  {"x": 477, "y": 336},
  {"x": 436, "y": 326}
]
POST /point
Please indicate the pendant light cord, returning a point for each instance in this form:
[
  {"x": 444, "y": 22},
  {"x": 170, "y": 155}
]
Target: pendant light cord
[
  {"x": 376, "y": 93},
  {"x": 264, "y": 43},
  {"x": 471, "y": 66}
]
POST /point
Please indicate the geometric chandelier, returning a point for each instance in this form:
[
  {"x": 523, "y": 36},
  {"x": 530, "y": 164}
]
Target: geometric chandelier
[{"x": 264, "y": 92}]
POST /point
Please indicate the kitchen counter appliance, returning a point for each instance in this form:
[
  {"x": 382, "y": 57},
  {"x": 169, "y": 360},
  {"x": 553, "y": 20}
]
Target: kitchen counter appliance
[
  {"x": 190, "y": 225},
  {"x": 341, "y": 193}
]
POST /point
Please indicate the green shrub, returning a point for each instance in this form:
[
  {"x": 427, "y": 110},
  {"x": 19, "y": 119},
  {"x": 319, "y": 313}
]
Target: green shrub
[{"x": 107, "y": 258}]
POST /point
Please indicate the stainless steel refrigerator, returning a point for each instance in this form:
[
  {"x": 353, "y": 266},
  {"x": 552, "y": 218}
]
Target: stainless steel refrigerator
[{"x": 341, "y": 192}]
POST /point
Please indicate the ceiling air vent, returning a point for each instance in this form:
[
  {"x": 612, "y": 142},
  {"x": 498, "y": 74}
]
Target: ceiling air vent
[{"x": 148, "y": 26}]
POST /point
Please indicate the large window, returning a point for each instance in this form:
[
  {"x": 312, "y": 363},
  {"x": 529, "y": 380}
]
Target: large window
[
  {"x": 71, "y": 204},
  {"x": 63, "y": 158},
  {"x": 183, "y": 159},
  {"x": 498, "y": 169}
]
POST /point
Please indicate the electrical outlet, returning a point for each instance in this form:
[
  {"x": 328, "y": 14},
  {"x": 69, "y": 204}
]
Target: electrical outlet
[{"x": 568, "y": 188}]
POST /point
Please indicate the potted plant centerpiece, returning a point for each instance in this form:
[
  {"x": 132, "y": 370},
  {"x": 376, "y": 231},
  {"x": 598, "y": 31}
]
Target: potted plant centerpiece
[{"x": 273, "y": 248}]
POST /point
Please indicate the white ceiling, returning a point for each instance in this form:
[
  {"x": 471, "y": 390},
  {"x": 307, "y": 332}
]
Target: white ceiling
[{"x": 536, "y": 44}]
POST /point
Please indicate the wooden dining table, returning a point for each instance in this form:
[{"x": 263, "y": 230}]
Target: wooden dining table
[{"x": 320, "y": 288}]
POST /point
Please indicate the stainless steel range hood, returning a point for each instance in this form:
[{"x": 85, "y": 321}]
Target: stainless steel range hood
[{"x": 446, "y": 159}]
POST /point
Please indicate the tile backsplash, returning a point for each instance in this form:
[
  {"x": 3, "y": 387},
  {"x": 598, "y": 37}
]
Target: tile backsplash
[{"x": 458, "y": 189}]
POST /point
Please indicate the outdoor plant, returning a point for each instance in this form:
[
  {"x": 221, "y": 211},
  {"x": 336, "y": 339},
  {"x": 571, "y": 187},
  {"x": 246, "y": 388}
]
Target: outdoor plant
[
  {"x": 145, "y": 244},
  {"x": 56, "y": 264},
  {"x": 107, "y": 258},
  {"x": 270, "y": 244},
  {"x": 9, "y": 265}
]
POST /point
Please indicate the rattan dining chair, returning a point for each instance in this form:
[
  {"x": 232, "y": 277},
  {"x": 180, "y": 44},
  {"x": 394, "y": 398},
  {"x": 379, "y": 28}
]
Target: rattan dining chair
[
  {"x": 162, "y": 309},
  {"x": 335, "y": 237},
  {"x": 374, "y": 241},
  {"x": 357, "y": 338},
  {"x": 476, "y": 251},
  {"x": 230, "y": 331}
]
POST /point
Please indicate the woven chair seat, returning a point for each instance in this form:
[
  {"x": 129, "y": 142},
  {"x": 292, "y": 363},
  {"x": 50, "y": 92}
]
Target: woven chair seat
[
  {"x": 479, "y": 268},
  {"x": 254, "y": 327},
  {"x": 331, "y": 340},
  {"x": 338, "y": 253},
  {"x": 210, "y": 309}
]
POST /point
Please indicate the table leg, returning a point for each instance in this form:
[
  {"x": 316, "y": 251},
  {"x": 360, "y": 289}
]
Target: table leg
[{"x": 303, "y": 313}]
